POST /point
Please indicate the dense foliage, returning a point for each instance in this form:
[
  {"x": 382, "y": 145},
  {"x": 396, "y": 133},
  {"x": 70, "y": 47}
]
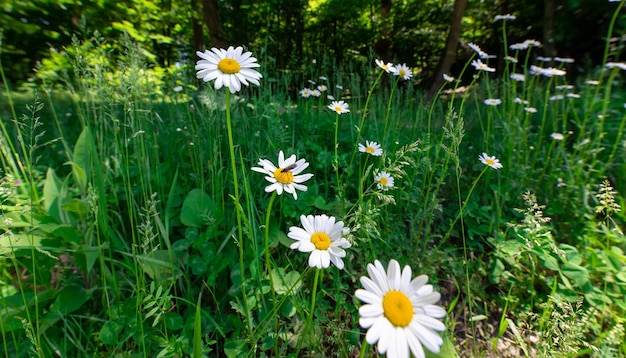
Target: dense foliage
[
  {"x": 288, "y": 34},
  {"x": 133, "y": 222}
]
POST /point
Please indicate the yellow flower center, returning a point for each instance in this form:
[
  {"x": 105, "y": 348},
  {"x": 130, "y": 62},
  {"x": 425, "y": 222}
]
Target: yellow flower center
[
  {"x": 490, "y": 161},
  {"x": 229, "y": 66},
  {"x": 370, "y": 150},
  {"x": 338, "y": 108},
  {"x": 320, "y": 240},
  {"x": 402, "y": 72},
  {"x": 283, "y": 176},
  {"x": 383, "y": 181},
  {"x": 397, "y": 308}
]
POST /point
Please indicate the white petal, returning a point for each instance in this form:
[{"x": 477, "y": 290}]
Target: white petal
[
  {"x": 374, "y": 310},
  {"x": 415, "y": 345},
  {"x": 368, "y": 297}
]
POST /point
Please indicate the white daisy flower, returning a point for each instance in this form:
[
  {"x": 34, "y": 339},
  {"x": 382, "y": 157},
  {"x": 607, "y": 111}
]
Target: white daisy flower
[
  {"x": 229, "y": 68},
  {"x": 564, "y": 59},
  {"x": 479, "y": 65},
  {"x": 372, "y": 148},
  {"x": 284, "y": 177},
  {"x": 620, "y": 65},
  {"x": 321, "y": 236},
  {"x": 507, "y": 17},
  {"x": 305, "y": 92},
  {"x": 403, "y": 71},
  {"x": 493, "y": 101},
  {"x": 530, "y": 109},
  {"x": 490, "y": 161},
  {"x": 322, "y": 88},
  {"x": 384, "y": 180},
  {"x": 557, "y": 136},
  {"x": 448, "y": 78},
  {"x": 517, "y": 77},
  {"x": 399, "y": 312},
  {"x": 340, "y": 107},
  {"x": 316, "y": 93},
  {"x": 388, "y": 67}
]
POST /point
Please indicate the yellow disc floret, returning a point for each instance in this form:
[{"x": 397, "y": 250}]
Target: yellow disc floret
[
  {"x": 321, "y": 240},
  {"x": 383, "y": 181},
  {"x": 283, "y": 176},
  {"x": 229, "y": 66},
  {"x": 370, "y": 150},
  {"x": 397, "y": 308}
]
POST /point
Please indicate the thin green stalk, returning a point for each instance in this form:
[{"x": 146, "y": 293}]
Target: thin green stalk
[
  {"x": 360, "y": 129},
  {"x": 268, "y": 261},
  {"x": 463, "y": 205},
  {"x": 309, "y": 320},
  {"x": 395, "y": 85},
  {"x": 239, "y": 239},
  {"x": 336, "y": 160},
  {"x": 364, "y": 348}
]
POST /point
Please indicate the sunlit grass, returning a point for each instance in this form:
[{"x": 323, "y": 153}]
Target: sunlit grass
[{"x": 124, "y": 204}]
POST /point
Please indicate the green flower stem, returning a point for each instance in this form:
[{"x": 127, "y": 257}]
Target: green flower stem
[
  {"x": 393, "y": 89},
  {"x": 239, "y": 239},
  {"x": 336, "y": 160},
  {"x": 460, "y": 214},
  {"x": 367, "y": 101},
  {"x": 309, "y": 320},
  {"x": 364, "y": 348},
  {"x": 268, "y": 262}
]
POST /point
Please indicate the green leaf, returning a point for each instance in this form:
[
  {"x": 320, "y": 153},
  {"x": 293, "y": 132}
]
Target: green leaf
[
  {"x": 110, "y": 332},
  {"x": 576, "y": 273},
  {"x": 90, "y": 254},
  {"x": 198, "y": 209},
  {"x": 286, "y": 284},
  {"x": 173, "y": 321},
  {"x": 69, "y": 299},
  {"x": 571, "y": 254},
  {"x": 12, "y": 243},
  {"x": 235, "y": 348},
  {"x": 52, "y": 194},
  {"x": 82, "y": 158},
  {"x": 197, "y": 330},
  {"x": 447, "y": 350}
]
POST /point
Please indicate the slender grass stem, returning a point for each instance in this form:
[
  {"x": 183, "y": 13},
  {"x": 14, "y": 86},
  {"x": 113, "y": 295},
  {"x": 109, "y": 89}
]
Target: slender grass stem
[{"x": 239, "y": 239}]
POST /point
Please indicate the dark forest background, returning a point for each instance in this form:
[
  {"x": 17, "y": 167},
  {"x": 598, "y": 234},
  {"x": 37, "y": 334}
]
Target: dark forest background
[{"x": 289, "y": 34}]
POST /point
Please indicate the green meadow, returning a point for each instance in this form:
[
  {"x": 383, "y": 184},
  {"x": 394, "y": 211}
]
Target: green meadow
[{"x": 148, "y": 214}]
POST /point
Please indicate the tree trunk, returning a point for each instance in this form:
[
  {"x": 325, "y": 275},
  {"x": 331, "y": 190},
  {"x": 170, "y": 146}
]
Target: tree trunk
[
  {"x": 196, "y": 25},
  {"x": 214, "y": 23},
  {"x": 452, "y": 43},
  {"x": 383, "y": 46},
  {"x": 548, "y": 30}
]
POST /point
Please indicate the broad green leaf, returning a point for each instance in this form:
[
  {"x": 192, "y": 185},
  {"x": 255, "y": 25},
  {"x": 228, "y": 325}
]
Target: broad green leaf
[
  {"x": 235, "y": 348},
  {"x": 52, "y": 194},
  {"x": 198, "y": 209},
  {"x": 89, "y": 255},
  {"x": 286, "y": 284},
  {"x": 11, "y": 243},
  {"x": 447, "y": 350},
  {"x": 69, "y": 299},
  {"x": 110, "y": 332},
  {"x": 576, "y": 273},
  {"x": 157, "y": 264},
  {"x": 82, "y": 158}
]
